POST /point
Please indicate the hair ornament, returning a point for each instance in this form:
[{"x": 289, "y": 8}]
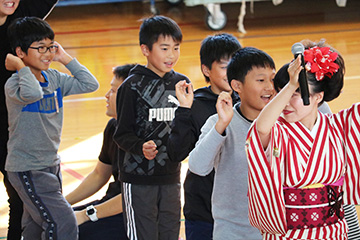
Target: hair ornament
[{"x": 321, "y": 61}]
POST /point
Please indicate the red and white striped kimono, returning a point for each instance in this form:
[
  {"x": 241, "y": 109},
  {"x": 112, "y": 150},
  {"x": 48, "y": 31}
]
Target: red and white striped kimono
[{"x": 297, "y": 160}]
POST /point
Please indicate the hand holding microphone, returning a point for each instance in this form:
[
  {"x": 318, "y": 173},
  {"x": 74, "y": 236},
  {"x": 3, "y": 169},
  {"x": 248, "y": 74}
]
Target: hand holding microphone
[{"x": 298, "y": 49}]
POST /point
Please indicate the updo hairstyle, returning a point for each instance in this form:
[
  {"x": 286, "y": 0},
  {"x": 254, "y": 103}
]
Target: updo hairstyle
[{"x": 331, "y": 86}]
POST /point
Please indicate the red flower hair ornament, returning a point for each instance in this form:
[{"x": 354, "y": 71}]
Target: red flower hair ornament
[{"x": 321, "y": 61}]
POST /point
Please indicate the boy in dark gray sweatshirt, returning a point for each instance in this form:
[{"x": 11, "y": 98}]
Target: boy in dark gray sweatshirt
[{"x": 35, "y": 110}]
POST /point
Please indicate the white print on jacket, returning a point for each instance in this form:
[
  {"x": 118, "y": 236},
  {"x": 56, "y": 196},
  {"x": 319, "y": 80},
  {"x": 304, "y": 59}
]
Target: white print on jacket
[{"x": 164, "y": 114}]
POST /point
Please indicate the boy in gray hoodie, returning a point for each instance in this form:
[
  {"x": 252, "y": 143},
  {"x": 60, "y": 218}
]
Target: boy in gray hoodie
[
  {"x": 35, "y": 110},
  {"x": 250, "y": 73}
]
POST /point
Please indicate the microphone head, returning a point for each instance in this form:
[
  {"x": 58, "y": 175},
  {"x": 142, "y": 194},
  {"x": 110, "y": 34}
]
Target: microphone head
[{"x": 297, "y": 48}]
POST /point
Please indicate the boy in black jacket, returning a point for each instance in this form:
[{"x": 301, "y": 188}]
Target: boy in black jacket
[
  {"x": 215, "y": 53},
  {"x": 146, "y": 104}
]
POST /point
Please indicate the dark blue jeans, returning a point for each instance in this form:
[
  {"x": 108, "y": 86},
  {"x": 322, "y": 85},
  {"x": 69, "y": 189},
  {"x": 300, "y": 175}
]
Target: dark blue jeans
[
  {"x": 110, "y": 228},
  {"x": 198, "y": 230}
]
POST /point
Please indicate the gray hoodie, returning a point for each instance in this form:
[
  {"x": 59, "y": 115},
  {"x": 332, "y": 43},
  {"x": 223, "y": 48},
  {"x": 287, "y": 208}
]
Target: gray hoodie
[
  {"x": 35, "y": 112},
  {"x": 227, "y": 155}
]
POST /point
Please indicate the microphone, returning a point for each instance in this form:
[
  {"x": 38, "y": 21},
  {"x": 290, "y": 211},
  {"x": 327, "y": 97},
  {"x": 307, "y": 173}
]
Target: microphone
[{"x": 298, "y": 49}]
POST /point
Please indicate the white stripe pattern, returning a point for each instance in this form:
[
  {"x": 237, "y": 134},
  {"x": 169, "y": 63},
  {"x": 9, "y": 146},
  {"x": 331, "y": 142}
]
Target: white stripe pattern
[
  {"x": 301, "y": 160},
  {"x": 130, "y": 218}
]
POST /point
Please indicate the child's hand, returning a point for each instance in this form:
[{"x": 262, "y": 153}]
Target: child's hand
[
  {"x": 184, "y": 93},
  {"x": 61, "y": 55},
  {"x": 149, "y": 150},
  {"x": 13, "y": 63},
  {"x": 225, "y": 111},
  {"x": 294, "y": 70}
]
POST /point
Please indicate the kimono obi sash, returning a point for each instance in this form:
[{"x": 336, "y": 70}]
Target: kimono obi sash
[{"x": 314, "y": 207}]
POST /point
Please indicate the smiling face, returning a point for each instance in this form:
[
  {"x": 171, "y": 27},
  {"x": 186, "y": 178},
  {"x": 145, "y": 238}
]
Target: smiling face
[
  {"x": 163, "y": 56},
  {"x": 7, "y": 7},
  {"x": 36, "y": 61},
  {"x": 217, "y": 76},
  {"x": 111, "y": 96},
  {"x": 296, "y": 111},
  {"x": 256, "y": 91}
]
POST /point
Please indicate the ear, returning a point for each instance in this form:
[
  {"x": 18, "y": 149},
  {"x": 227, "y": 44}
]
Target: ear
[
  {"x": 319, "y": 97},
  {"x": 236, "y": 85},
  {"x": 20, "y": 53},
  {"x": 145, "y": 50},
  {"x": 205, "y": 70}
]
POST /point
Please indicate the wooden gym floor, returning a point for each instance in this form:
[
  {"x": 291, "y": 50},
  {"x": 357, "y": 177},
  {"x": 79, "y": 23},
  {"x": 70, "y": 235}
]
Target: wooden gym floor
[{"x": 103, "y": 36}]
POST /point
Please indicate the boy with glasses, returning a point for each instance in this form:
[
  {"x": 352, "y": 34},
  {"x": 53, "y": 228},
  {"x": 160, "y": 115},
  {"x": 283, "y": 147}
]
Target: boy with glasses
[
  {"x": 35, "y": 109},
  {"x": 10, "y": 10}
]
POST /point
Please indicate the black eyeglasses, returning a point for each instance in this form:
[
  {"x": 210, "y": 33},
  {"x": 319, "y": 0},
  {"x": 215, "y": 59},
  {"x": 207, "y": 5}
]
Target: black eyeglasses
[{"x": 43, "y": 49}]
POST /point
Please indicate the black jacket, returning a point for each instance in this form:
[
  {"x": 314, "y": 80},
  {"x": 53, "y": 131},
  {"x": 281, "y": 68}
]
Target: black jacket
[
  {"x": 186, "y": 129},
  {"x": 146, "y": 104}
]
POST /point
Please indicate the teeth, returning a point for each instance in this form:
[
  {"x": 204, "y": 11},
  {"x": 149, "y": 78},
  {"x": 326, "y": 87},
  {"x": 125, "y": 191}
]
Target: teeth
[{"x": 9, "y": 4}]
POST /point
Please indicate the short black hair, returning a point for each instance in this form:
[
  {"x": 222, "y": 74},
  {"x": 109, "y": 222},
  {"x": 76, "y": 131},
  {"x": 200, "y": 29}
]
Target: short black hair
[
  {"x": 331, "y": 86},
  {"x": 282, "y": 78},
  {"x": 216, "y": 47},
  {"x": 244, "y": 60},
  {"x": 22, "y": 32},
  {"x": 122, "y": 71},
  {"x": 156, "y": 26}
]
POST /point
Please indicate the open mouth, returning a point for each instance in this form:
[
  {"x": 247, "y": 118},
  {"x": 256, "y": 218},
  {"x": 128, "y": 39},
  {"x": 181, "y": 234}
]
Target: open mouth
[
  {"x": 9, "y": 4},
  {"x": 266, "y": 97},
  {"x": 168, "y": 64}
]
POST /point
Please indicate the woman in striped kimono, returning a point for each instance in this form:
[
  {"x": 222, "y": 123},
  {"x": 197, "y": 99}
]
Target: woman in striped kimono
[{"x": 303, "y": 165}]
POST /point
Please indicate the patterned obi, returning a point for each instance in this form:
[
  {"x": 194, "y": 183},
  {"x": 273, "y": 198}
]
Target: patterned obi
[{"x": 313, "y": 207}]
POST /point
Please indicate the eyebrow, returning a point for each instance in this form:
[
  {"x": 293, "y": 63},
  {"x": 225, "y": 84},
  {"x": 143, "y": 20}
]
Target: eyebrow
[
  {"x": 260, "y": 75},
  {"x": 168, "y": 45},
  {"x": 52, "y": 42},
  {"x": 223, "y": 61},
  {"x": 263, "y": 74}
]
